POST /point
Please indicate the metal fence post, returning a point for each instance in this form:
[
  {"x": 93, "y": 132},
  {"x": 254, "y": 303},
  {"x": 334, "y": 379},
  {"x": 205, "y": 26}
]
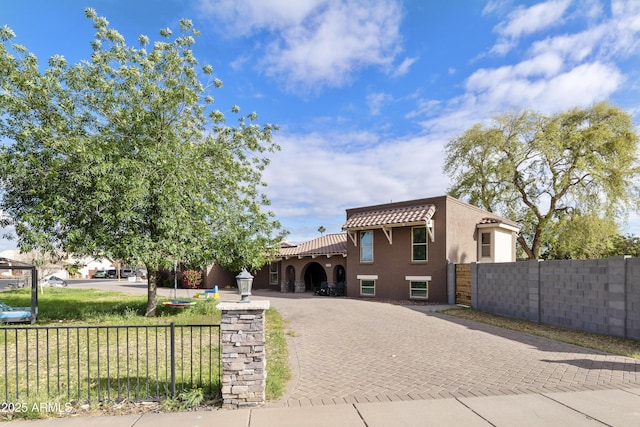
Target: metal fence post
[{"x": 173, "y": 358}]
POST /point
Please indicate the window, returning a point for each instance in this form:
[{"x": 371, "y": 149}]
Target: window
[
  {"x": 367, "y": 284},
  {"x": 419, "y": 244},
  {"x": 274, "y": 276},
  {"x": 418, "y": 286},
  {"x": 368, "y": 287},
  {"x": 418, "y": 289},
  {"x": 485, "y": 245},
  {"x": 366, "y": 246}
]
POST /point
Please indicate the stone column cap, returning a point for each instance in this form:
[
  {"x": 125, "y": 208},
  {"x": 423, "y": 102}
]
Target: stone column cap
[{"x": 241, "y": 306}]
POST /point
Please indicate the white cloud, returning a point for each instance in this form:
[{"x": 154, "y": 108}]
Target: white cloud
[
  {"x": 626, "y": 31},
  {"x": 542, "y": 84},
  {"x": 316, "y": 43},
  {"x": 554, "y": 73},
  {"x": 494, "y": 91},
  {"x": 525, "y": 21},
  {"x": 325, "y": 42},
  {"x": 403, "y": 68},
  {"x": 312, "y": 177},
  {"x": 249, "y": 16},
  {"x": 376, "y": 101},
  {"x": 496, "y": 6},
  {"x": 572, "y": 47}
]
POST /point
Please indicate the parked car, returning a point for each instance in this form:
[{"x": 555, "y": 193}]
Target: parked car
[
  {"x": 54, "y": 282},
  {"x": 126, "y": 272},
  {"x": 112, "y": 274},
  {"x": 100, "y": 274}
]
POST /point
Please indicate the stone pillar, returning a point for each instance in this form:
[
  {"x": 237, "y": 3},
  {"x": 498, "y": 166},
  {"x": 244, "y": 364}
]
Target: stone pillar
[{"x": 244, "y": 373}]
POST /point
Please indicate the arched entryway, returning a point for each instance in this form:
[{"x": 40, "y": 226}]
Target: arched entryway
[
  {"x": 340, "y": 274},
  {"x": 314, "y": 275},
  {"x": 291, "y": 278}
]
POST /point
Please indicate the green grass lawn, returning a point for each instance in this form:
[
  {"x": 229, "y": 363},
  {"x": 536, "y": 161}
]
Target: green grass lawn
[
  {"x": 88, "y": 307},
  {"x": 95, "y": 307}
]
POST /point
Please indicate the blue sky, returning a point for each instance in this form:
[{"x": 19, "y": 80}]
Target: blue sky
[{"x": 367, "y": 93}]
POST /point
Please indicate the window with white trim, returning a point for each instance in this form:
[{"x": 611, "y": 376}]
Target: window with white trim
[
  {"x": 367, "y": 287},
  {"x": 419, "y": 289},
  {"x": 485, "y": 245},
  {"x": 419, "y": 244},
  {"x": 366, "y": 246},
  {"x": 418, "y": 286},
  {"x": 274, "y": 273}
]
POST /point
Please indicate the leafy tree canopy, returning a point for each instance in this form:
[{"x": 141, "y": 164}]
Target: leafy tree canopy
[
  {"x": 625, "y": 245},
  {"x": 558, "y": 175},
  {"x": 123, "y": 155}
]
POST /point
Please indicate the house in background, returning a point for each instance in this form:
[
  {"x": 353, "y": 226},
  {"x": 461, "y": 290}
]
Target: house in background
[{"x": 401, "y": 250}]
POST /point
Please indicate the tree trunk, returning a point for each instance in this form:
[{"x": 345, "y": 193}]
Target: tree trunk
[
  {"x": 528, "y": 251},
  {"x": 152, "y": 291}
]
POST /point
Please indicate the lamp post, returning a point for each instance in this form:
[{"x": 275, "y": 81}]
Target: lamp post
[{"x": 244, "y": 280}]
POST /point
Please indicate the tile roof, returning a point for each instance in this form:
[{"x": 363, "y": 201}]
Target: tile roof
[
  {"x": 331, "y": 244},
  {"x": 392, "y": 216},
  {"x": 489, "y": 220}
]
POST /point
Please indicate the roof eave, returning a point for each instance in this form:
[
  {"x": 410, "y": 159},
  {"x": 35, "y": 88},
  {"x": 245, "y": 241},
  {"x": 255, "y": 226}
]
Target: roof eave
[
  {"x": 499, "y": 225},
  {"x": 395, "y": 225}
]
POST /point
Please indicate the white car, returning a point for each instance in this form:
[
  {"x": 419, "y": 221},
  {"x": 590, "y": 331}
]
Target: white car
[{"x": 54, "y": 282}]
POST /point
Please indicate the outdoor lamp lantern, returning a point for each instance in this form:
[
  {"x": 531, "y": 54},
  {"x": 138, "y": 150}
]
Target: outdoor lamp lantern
[{"x": 245, "y": 280}]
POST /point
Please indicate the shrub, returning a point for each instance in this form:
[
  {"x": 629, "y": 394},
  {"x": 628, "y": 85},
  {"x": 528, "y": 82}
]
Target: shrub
[{"x": 191, "y": 279}]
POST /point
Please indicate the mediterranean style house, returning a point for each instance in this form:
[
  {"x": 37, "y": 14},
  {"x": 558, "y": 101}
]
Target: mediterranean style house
[{"x": 395, "y": 250}]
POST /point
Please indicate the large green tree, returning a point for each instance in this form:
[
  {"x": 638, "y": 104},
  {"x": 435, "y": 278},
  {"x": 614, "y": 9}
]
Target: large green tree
[
  {"x": 550, "y": 173},
  {"x": 124, "y": 155}
]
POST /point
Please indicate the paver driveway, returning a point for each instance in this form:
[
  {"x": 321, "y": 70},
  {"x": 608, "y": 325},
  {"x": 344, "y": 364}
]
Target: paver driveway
[{"x": 346, "y": 351}]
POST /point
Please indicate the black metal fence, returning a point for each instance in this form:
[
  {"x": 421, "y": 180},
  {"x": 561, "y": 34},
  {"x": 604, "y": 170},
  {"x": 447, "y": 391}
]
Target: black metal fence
[{"x": 109, "y": 363}]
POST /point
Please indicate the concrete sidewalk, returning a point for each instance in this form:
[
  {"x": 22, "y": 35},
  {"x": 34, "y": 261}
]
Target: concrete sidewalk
[{"x": 585, "y": 408}]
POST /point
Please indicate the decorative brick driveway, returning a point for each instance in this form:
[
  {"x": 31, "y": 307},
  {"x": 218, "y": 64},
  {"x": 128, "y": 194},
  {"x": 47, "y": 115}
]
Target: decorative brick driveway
[{"x": 346, "y": 351}]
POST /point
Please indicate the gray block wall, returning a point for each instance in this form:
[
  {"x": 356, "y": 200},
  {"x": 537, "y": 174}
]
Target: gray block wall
[
  {"x": 632, "y": 291},
  {"x": 601, "y": 296},
  {"x": 510, "y": 289},
  {"x": 573, "y": 294}
]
